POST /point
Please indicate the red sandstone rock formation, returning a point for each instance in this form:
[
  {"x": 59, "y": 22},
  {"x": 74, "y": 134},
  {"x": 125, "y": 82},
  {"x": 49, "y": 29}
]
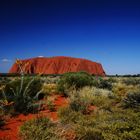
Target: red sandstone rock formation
[{"x": 58, "y": 65}]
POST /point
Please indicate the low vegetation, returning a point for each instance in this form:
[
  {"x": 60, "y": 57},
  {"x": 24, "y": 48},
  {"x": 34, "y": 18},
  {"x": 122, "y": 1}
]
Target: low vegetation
[
  {"x": 40, "y": 128},
  {"x": 77, "y": 80},
  {"x": 98, "y": 108}
]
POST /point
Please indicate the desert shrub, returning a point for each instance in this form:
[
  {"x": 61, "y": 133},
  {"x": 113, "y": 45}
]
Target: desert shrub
[
  {"x": 78, "y": 80},
  {"x": 48, "y": 89},
  {"x": 40, "y": 128},
  {"x": 51, "y": 79},
  {"x": 68, "y": 116},
  {"x": 35, "y": 86},
  {"x": 103, "y": 98},
  {"x": 103, "y": 102},
  {"x": 120, "y": 125},
  {"x": 120, "y": 90},
  {"x": 23, "y": 104},
  {"x": 4, "y": 80},
  {"x": 131, "y": 81},
  {"x": 112, "y": 79},
  {"x": 88, "y": 133},
  {"x": 105, "y": 83},
  {"x": 103, "y": 92},
  {"x": 132, "y": 100},
  {"x": 19, "y": 100},
  {"x": 81, "y": 99}
]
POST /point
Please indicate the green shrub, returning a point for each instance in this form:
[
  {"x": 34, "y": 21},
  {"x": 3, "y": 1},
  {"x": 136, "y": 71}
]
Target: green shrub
[
  {"x": 105, "y": 84},
  {"x": 22, "y": 100},
  {"x": 132, "y": 100},
  {"x": 78, "y": 80},
  {"x": 119, "y": 125},
  {"x": 35, "y": 86},
  {"x": 40, "y": 128}
]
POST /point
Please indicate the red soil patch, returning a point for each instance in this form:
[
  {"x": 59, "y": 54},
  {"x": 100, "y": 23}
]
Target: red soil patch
[
  {"x": 11, "y": 128},
  {"x": 91, "y": 108}
]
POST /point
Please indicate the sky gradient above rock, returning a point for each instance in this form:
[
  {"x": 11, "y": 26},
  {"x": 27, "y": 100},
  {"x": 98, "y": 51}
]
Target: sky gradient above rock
[{"x": 106, "y": 31}]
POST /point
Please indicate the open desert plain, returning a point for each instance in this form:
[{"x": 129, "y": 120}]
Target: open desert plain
[{"x": 69, "y": 70}]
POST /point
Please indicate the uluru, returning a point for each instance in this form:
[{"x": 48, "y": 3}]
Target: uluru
[{"x": 58, "y": 65}]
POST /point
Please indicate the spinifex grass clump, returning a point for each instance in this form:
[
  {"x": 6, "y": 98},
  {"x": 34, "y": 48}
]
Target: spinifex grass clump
[
  {"x": 81, "y": 99},
  {"x": 132, "y": 100},
  {"x": 48, "y": 89},
  {"x": 40, "y": 128},
  {"x": 118, "y": 124}
]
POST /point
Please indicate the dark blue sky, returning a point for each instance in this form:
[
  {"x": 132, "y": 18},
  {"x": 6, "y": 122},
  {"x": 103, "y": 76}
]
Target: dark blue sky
[{"x": 106, "y": 31}]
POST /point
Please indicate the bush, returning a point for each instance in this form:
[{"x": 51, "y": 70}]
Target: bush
[
  {"x": 81, "y": 99},
  {"x": 120, "y": 90},
  {"x": 48, "y": 89},
  {"x": 40, "y": 128},
  {"x": 119, "y": 125},
  {"x": 132, "y": 81},
  {"x": 105, "y": 83},
  {"x": 20, "y": 97},
  {"x": 132, "y": 100},
  {"x": 103, "y": 92},
  {"x": 88, "y": 133},
  {"x": 78, "y": 80},
  {"x": 35, "y": 86},
  {"x": 67, "y": 115}
]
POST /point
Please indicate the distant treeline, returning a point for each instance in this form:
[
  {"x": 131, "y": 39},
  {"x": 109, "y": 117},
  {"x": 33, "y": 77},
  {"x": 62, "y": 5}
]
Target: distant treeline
[
  {"x": 127, "y": 75},
  {"x": 54, "y": 75}
]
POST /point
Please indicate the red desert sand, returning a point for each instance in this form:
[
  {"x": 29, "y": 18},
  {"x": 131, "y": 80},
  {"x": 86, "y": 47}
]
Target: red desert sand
[
  {"x": 58, "y": 65},
  {"x": 10, "y": 130}
]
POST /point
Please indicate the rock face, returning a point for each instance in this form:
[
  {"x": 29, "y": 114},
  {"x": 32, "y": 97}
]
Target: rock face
[{"x": 58, "y": 65}]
